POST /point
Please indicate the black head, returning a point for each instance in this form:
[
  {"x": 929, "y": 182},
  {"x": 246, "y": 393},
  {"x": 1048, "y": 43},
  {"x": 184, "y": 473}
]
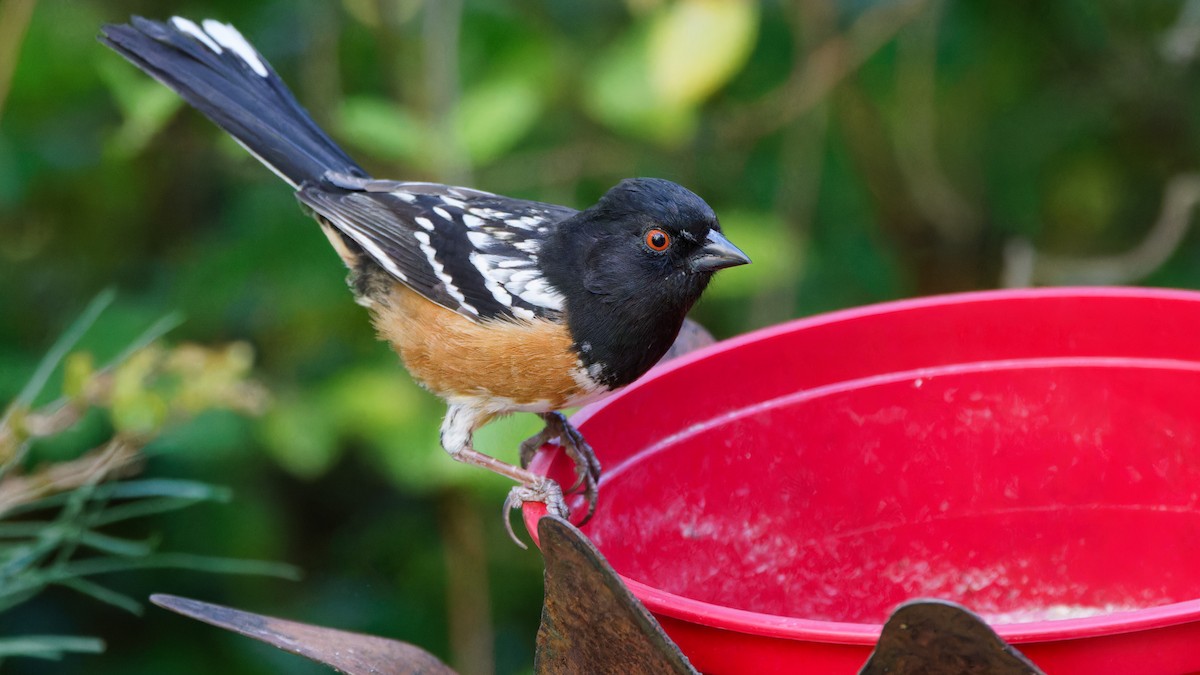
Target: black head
[
  {"x": 631, "y": 267},
  {"x": 660, "y": 233}
]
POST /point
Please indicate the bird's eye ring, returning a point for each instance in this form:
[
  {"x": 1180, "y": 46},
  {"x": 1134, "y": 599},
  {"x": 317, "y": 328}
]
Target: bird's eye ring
[{"x": 658, "y": 240}]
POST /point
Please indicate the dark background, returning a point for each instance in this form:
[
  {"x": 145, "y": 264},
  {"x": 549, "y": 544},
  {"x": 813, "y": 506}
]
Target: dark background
[{"x": 858, "y": 151}]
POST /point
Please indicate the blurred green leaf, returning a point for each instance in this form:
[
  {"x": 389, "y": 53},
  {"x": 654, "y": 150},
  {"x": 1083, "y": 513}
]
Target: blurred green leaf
[
  {"x": 382, "y": 128},
  {"x": 104, "y": 595},
  {"x": 12, "y": 180},
  {"x": 696, "y": 46},
  {"x": 301, "y": 436},
  {"x": 78, "y": 369},
  {"x": 134, "y": 489},
  {"x": 620, "y": 94},
  {"x": 777, "y": 255},
  {"x": 494, "y": 115},
  {"x": 179, "y": 561},
  {"x": 59, "y": 350},
  {"x": 49, "y": 646},
  {"x": 146, "y": 105}
]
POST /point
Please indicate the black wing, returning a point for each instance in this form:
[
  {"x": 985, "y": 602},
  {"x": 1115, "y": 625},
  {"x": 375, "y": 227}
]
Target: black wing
[{"x": 471, "y": 251}]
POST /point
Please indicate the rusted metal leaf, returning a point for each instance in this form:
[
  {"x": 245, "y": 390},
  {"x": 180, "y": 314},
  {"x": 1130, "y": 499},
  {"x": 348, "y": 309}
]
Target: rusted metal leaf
[
  {"x": 591, "y": 623},
  {"x": 351, "y": 653},
  {"x": 934, "y": 637}
]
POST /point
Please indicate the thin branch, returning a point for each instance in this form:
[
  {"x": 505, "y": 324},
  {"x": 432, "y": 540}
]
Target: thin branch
[
  {"x": 826, "y": 66},
  {"x": 1024, "y": 266},
  {"x": 442, "y": 27},
  {"x": 915, "y": 134},
  {"x": 469, "y": 611},
  {"x": 113, "y": 459},
  {"x": 1181, "y": 42}
]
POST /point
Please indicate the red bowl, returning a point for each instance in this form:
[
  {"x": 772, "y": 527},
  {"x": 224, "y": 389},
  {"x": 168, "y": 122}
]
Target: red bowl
[{"x": 1032, "y": 455}]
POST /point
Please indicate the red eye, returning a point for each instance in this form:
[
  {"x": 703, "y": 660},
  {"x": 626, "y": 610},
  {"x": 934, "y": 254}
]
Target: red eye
[{"x": 658, "y": 240}]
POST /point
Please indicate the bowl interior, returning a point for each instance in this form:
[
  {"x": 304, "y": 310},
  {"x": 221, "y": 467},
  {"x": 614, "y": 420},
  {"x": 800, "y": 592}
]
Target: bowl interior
[
  {"x": 1032, "y": 455},
  {"x": 1021, "y": 492}
]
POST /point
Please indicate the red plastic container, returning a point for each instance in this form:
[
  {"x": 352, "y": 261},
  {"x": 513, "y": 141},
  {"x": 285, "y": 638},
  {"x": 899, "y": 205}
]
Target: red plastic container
[{"x": 1033, "y": 455}]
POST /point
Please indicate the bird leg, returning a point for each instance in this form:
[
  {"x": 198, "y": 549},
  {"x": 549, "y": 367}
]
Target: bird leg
[
  {"x": 587, "y": 467},
  {"x": 457, "y": 430}
]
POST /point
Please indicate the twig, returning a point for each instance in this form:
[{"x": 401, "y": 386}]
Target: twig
[
  {"x": 1181, "y": 42},
  {"x": 1024, "y": 266},
  {"x": 443, "y": 23},
  {"x": 915, "y": 136},
  {"x": 811, "y": 82},
  {"x": 113, "y": 459},
  {"x": 468, "y": 609}
]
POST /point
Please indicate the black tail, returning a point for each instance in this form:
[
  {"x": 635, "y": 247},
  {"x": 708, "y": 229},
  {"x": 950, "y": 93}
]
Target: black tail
[{"x": 216, "y": 70}]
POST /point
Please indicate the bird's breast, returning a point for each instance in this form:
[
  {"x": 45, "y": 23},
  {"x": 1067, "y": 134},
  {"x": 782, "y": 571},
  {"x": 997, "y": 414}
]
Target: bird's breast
[{"x": 513, "y": 365}]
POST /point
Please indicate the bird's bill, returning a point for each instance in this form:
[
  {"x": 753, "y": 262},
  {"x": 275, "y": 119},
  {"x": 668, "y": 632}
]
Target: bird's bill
[{"x": 718, "y": 253}]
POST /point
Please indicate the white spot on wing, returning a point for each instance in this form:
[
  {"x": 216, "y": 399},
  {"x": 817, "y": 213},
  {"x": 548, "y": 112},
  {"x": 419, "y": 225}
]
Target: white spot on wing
[
  {"x": 479, "y": 240},
  {"x": 425, "y": 223},
  {"x": 539, "y": 292},
  {"x": 229, "y": 37},
  {"x": 529, "y": 222},
  {"x": 472, "y": 221},
  {"x": 370, "y": 247},
  {"x": 492, "y": 285},
  {"x": 438, "y": 269},
  {"x": 443, "y": 213},
  {"x": 517, "y": 277},
  {"x": 490, "y": 214},
  {"x": 188, "y": 26},
  {"x": 523, "y": 276}
]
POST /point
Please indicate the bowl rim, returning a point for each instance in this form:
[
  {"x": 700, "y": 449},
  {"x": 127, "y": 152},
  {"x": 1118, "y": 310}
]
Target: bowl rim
[
  {"x": 721, "y": 617},
  {"x": 888, "y": 307}
]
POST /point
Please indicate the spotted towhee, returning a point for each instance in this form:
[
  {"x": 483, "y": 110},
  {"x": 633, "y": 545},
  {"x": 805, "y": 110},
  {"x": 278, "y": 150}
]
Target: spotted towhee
[{"x": 497, "y": 305}]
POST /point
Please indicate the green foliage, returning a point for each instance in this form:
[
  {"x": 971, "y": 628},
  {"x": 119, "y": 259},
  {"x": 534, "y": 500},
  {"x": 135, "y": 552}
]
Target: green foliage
[
  {"x": 857, "y": 151},
  {"x": 55, "y": 515}
]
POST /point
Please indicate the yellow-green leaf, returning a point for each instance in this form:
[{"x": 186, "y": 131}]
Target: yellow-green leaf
[
  {"x": 620, "y": 95},
  {"x": 77, "y": 371},
  {"x": 696, "y": 46}
]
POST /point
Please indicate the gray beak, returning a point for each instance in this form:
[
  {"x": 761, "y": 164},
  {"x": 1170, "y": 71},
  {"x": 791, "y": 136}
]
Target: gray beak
[{"x": 717, "y": 254}]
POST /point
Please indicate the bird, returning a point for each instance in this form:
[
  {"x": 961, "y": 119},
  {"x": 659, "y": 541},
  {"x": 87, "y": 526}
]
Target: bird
[{"x": 495, "y": 304}]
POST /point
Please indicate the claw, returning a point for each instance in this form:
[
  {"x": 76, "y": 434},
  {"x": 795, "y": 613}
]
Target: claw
[
  {"x": 531, "y": 445},
  {"x": 587, "y": 467},
  {"x": 547, "y": 491}
]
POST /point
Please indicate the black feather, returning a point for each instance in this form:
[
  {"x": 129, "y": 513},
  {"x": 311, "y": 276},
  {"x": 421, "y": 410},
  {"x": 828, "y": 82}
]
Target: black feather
[
  {"x": 259, "y": 111},
  {"x": 398, "y": 224}
]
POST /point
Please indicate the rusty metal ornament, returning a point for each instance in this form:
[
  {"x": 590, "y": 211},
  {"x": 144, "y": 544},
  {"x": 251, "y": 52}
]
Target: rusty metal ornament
[
  {"x": 935, "y": 637},
  {"x": 345, "y": 652},
  {"x": 592, "y": 623}
]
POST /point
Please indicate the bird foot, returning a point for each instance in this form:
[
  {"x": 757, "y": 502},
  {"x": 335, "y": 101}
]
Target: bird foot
[
  {"x": 546, "y": 491},
  {"x": 587, "y": 467}
]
